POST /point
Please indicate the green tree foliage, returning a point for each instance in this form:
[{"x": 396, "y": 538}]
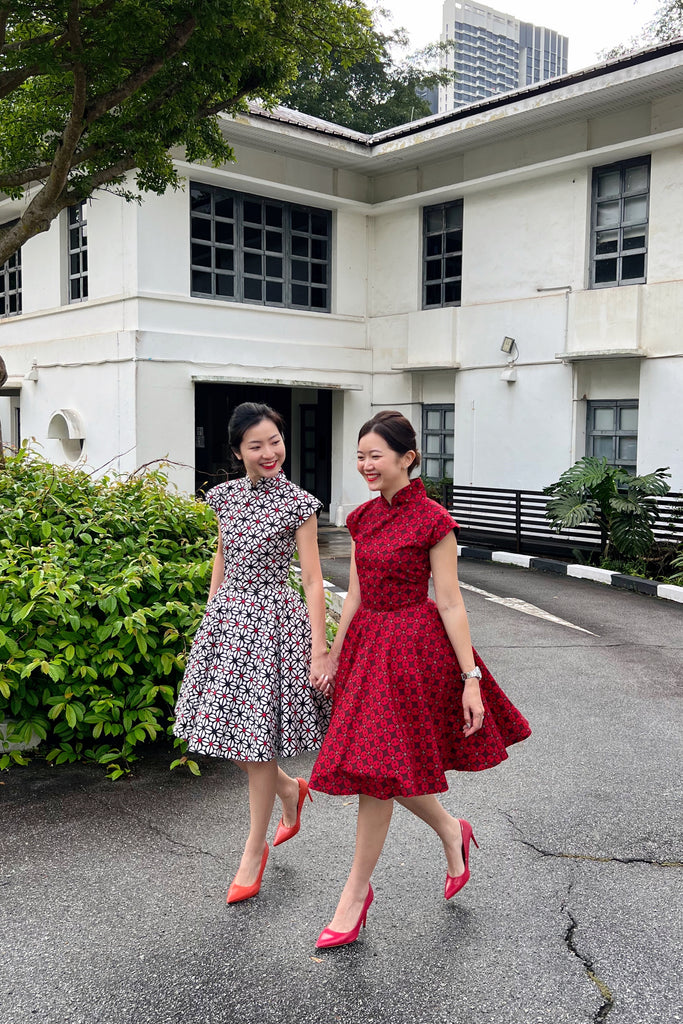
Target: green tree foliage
[
  {"x": 90, "y": 89},
  {"x": 102, "y": 586},
  {"x": 376, "y": 92},
  {"x": 623, "y": 506}
]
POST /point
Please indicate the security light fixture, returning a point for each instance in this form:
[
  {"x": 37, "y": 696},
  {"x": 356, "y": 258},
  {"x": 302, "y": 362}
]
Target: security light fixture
[{"x": 508, "y": 345}]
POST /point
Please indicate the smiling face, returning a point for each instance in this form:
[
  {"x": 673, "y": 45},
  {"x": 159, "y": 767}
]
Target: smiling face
[
  {"x": 382, "y": 468},
  {"x": 262, "y": 451}
]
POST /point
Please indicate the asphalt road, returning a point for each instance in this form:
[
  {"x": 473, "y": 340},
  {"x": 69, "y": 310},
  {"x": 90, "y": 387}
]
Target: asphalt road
[{"x": 113, "y": 894}]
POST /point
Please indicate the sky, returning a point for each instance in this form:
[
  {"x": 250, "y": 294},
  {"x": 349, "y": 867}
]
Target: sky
[{"x": 591, "y": 25}]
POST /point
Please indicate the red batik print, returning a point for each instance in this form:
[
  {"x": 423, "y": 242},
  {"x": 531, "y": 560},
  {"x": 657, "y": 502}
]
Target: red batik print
[{"x": 397, "y": 712}]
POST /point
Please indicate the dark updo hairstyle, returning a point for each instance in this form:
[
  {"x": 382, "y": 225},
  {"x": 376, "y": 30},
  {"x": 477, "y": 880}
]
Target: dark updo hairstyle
[
  {"x": 396, "y": 430},
  {"x": 245, "y": 416}
]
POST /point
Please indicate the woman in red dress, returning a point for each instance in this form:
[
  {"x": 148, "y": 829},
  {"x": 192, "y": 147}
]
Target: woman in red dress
[{"x": 412, "y": 699}]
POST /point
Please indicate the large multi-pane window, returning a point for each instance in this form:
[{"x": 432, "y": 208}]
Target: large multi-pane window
[
  {"x": 251, "y": 249},
  {"x": 620, "y": 223},
  {"x": 438, "y": 425},
  {"x": 442, "y": 255},
  {"x": 612, "y": 432},
  {"x": 78, "y": 253},
  {"x": 10, "y": 284}
]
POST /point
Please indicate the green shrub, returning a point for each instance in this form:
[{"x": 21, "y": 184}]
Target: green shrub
[{"x": 102, "y": 586}]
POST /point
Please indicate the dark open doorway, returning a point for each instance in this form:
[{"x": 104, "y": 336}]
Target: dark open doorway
[{"x": 307, "y": 414}]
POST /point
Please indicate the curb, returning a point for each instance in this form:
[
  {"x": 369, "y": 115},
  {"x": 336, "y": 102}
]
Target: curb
[{"x": 665, "y": 591}]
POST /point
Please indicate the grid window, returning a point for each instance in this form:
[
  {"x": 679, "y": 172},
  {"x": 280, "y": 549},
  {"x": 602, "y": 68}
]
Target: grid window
[
  {"x": 438, "y": 426},
  {"x": 78, "y": 253},
  {"x": 251, "y": 249},
  {"x": 612, "y": 432},
  {"x": 10, "y": 283},
  {"x": 442, "y": 255},
  {"x": 620, "y": 223}
]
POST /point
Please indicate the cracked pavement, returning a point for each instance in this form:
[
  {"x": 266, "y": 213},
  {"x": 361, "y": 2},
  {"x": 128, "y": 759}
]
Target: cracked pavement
[{"x": 112, "y": 895}]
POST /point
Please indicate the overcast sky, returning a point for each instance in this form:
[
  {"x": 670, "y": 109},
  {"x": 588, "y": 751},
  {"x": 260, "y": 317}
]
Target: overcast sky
[{"x": 591, "y": 25}]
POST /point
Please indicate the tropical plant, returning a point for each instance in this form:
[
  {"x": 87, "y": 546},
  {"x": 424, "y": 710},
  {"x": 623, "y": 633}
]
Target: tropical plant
[{"x": 623, "y": 506}]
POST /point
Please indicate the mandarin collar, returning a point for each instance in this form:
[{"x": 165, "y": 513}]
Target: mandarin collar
[
  {"x": 413, "y": 490},
  {"x": 264, "y": 485}
]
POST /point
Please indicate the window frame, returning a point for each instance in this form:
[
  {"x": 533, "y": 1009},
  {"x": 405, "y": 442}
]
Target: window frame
[
  {"x": 11, "y": 266},
  {"x": 77, "y": 223},
  {"x": 621, "y": 253},
  {"x": 431, "y": 258},
  {"x": 616, "y": 434},
  {"x": 289, "y": 236},
  {"x": 443, "y": 408}
]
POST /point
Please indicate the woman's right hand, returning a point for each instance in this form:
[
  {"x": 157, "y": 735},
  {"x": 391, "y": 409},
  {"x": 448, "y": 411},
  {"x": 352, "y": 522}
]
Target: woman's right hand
[{"x": 323, "y": 673}]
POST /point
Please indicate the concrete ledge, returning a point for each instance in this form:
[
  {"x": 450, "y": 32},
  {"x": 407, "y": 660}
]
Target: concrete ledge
[
  {"x": 590, "y": 572},
  {"x": 635, "y": 583},
  {"x": 481, "y": 553},
  {"x": 548, "y": 565},
  {"x": 670, "y": 592},
  {"x": 510, "y": 558}
]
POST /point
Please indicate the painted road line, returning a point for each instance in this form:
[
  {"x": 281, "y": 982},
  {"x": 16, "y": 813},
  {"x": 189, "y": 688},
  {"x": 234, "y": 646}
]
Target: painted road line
[{"x": 523, "y": 606}]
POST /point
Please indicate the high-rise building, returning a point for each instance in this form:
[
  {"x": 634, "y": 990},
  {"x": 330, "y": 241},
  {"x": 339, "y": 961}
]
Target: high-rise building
[{"x": 496, "y": 52}]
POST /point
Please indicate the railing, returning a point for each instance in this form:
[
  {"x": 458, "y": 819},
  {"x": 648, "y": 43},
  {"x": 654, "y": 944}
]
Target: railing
[{"x": 516, "y": 521}]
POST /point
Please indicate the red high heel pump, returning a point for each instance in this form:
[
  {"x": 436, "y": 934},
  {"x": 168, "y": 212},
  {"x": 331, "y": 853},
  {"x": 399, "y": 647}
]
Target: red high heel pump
[
  {"x": 455, "y": 884},
  {"x": 237, "y": 893},
  {"x": 329, "y": 938},
  {"x": 285, "y": 832}
]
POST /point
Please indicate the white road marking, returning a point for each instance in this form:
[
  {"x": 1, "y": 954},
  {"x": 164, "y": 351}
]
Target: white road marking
[{"x": 523, "y": 606}]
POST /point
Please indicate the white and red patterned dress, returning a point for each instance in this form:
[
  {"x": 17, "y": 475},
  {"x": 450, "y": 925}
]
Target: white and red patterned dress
[{"x": 246, "y": 693}]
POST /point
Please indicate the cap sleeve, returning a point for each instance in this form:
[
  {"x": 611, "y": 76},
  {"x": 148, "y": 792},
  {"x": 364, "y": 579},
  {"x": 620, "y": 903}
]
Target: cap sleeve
[
  {"x": 353, "y": 521},
  {"x": 215, "y": 497},
  {"x": 441, "y": 524},
  {"x": 305, "y": 506}
]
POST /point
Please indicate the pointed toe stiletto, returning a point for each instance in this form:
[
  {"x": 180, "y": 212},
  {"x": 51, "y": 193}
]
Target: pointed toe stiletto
[
  {"x": 237, "y": 893},
  {"x": 285, "y": 832},
  {"x": 329, "y": 938},
  {"x": 455, "y": 883}
]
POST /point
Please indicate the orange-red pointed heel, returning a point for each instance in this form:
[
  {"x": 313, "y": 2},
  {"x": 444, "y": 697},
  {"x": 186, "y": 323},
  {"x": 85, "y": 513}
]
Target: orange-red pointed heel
[
  {"x": 329, "y": 938},
  {"x": 455, "y": 884},
  {"x": 285, "y": 832},
  {"x": 237, "y": 893}
]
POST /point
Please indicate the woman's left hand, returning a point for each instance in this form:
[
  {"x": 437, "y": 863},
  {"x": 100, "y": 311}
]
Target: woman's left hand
[
  {"x": 473, "y": 708},
  {"x": 323, "y": 672}
]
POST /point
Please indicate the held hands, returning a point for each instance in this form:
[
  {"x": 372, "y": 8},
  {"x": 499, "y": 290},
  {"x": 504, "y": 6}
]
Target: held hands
[
  {"x": 473, "y": 709},
  {"x": 323, "y": 673}
]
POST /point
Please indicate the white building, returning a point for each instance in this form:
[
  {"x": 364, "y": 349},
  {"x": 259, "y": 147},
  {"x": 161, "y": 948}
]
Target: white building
[
  {"x": 495, "y": 52},
  {"x": 333, "y": 274}
]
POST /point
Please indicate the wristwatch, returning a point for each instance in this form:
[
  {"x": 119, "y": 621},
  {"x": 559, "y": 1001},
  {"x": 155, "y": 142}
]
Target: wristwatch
[{"x": 474, "y": 674}]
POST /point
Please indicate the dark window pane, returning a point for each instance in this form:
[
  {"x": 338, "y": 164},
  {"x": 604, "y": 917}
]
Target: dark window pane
[
  {"x": 318, "y": 249},
  {"x": 634, "y": 238},
  {"x": 299, "y": 270},
  {"x": 225, "y": 259},
  {"x": 12, "y": 280},
  {"x": 451, "y": 291},
  {"x": 453, "y": 266},
  {"x": 454, "y": 241},
  {"x": 273, "y": 291},
  {"x": 76, "y": 289},
  {"x": 84, "y": 288},
  {"x": 201, "y": 255},
  {"x": 84, "y": 260},
  {"x": 633, "y": 267},
  {"x": 434, "y": 245},
  {"x": 299, "y": 245},
  {"x": 74, "y": 263},
  {"x": 252, "y": 289},
  {"x": 299, "y": 295},
  {"x": 318, "y": 298},
  {"x": 201, "y": 228},
  {"x": 225, "y": 207},
  {"x": 253, "y": 238},
  {"x": 318, "y": 273},
  {"x": 434, "y": 219},
  {"x": 434, "y": 270},
  {"x": 225, "y": 285},
  {"x": 606, "y": 242},
  {"x": 201, "y": 282},
  {"x": 454, "y": 216},
  {"x": 605, "y": 271},
  {"x": 300, "y": 220},
  {"x": 273, "y": 266},
  {"x": 273, "y": 241},
  {"x": 13, "y": 304},
  {"x": 225, "y": 232},
  {"x": 2, "y": 305},
  {"x": 253, "y": 213},
  {"x": 74, "y": 239},
  {"x": 433, "y": 295},
  {"x": 274, "y": 216},
  {"x": 319, "y": 224},
  {"x": 253, "y": 264},
  {"x": 200, "y": 199}
]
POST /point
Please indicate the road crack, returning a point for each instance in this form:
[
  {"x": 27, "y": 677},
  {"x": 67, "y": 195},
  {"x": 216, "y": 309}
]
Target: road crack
[{"x": 603, "y": 988}]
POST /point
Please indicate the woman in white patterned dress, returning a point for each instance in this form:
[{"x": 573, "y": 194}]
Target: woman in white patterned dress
[{"x": 246, "y": 693}]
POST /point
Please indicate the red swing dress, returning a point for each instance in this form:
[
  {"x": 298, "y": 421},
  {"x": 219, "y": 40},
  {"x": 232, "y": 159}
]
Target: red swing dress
[{"x": 397, "y": 715}]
